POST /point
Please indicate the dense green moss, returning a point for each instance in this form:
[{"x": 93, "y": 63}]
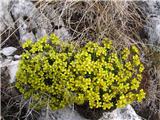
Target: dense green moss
[{"x": 58, "y": 73}]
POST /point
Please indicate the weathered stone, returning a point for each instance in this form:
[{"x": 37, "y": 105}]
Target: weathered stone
[
  {"x": 12, "y": 68},
  {"x": 153, "y": 24},
  {"x": 126, "y": 113},
  {"x": 34, "y": 24},
  {"x": 6, "y": 21},
  {"x": 67, "y": 113},
  {"x": 8, "y": 51}
]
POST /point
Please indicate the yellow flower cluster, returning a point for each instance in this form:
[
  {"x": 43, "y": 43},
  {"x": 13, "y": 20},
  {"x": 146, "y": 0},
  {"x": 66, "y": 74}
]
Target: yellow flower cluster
[{"x": 61, "y": 73}]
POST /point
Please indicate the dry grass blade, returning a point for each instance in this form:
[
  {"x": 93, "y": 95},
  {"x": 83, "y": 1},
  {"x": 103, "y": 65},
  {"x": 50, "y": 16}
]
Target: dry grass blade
[{"x": 118, "y": 20}]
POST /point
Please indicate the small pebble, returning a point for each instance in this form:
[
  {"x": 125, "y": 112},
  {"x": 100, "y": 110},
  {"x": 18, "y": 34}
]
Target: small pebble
[
  {"x": 8, "y": 51},
  {"x": 17, "y": 57}
]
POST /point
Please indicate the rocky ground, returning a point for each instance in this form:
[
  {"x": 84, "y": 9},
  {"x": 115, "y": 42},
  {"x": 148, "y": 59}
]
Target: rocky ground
[{"x": 30, "y": 19}]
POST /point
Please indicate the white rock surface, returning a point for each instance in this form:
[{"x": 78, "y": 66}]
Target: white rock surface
[
  {"x": 17, "y": 56},
  {"x": 8, "y": 51},
  {"x": 153, "y": 25},
  {"x": 126, "y": 113},
  {"x": 67, "y": 113},
  {"x": 23, "y": 11},
  {"x": 13, "y": 67},
  {"x": 5, "y": 62},
  {"x": 33, "y": 23},
  {"x": 5, "y": 17}
]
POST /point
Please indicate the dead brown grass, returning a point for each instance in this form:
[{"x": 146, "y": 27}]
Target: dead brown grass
[{"x": 120, "y": 21}]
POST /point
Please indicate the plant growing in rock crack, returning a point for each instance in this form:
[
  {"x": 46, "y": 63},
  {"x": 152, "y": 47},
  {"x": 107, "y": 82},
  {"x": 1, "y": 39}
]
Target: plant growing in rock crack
[{"x": 62, "y": 73}]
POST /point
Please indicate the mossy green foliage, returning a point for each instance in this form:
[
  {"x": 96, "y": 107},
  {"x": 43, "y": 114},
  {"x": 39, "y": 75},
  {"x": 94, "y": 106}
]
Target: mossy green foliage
[{"x": 57, "y": 73}]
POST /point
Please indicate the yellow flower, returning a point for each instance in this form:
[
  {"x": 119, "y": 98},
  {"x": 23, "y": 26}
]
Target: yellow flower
[{"x": 64, "y": 73}]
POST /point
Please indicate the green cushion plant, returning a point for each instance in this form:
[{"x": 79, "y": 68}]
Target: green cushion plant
[{"x": 55, "y": 73}]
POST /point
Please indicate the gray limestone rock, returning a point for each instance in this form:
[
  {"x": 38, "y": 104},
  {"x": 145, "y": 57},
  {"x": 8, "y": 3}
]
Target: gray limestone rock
[
  {"x": 67, "y": 113},
  {"x": 153, "y": 24},
  {"x": 12, "y": 67},
  {"x": 8, "y": 51},
  {"x": 33, "y": 22},
  {"x": 6, "y": 21},
  {"x": 126, "y": 113}
]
